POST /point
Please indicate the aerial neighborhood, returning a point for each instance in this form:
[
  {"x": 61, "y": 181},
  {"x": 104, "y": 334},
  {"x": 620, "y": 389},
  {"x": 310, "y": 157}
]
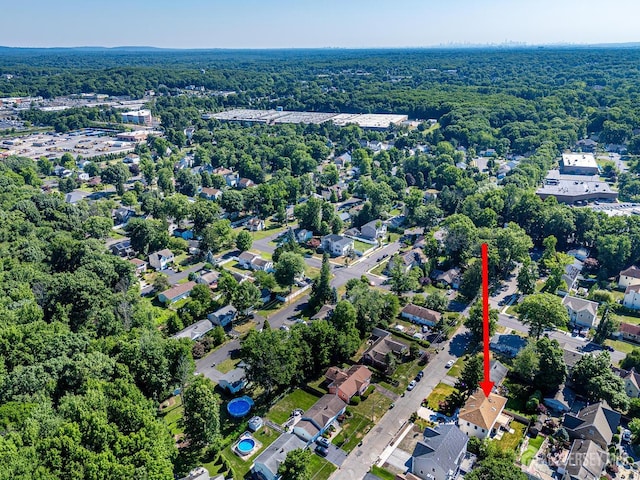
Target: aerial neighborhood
[{"x": 258, "y": 278}]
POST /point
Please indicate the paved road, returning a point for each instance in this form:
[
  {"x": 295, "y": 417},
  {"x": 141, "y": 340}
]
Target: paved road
[
  {"x": 377, "y": 440},
  {"x": 174, "y": 278}
]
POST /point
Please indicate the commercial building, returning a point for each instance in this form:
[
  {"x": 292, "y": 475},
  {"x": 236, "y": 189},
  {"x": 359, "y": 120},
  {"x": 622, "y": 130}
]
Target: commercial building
[
  {"x": 139, "y": 117},
  {"x": 579, "y": 164},
  {"x": 575, "y": 188}
]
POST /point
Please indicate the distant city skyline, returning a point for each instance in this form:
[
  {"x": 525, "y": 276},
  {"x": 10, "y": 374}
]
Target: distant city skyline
[{"x": 329, "y": 23}]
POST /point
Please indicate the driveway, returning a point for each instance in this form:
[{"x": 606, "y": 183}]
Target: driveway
[
  {"x": 336, "y": 455},
  {"x": 174, "y": 277}
]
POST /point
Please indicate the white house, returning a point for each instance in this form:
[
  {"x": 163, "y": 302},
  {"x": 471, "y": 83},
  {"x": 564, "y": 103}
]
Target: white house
[
  {"x": 253, "y": 261},
  {"x": 374, "y": 229},
  {"x": 337, "y": 245},
  {"x": 420, "y": 315},
  {"x": 582, "y": 312},
  {"x": 255, "y": 224},
  {"x": 318, "y": 418},
  {"x": 630, "y": 276},
  {"x": 162, "y": 259},
  {"x": 632, "y": 297},
  {"x": 482, "y": 416}
]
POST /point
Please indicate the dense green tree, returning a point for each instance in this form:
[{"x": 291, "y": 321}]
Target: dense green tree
[
  {"x": 527, "y": 277},
  {"x": 552, "y": 370},
  {"x": 288, "y": 267},
  {"x": 244, "y": 240},
  {"x": 542, "y": 311},
  {"x": 594, "y": 379},
  {"x": 321, "y": 292},
  {"x": 296, "y": 465},
  {"x": 471, "y": 376},
  {"x": 492, "y": 468},
  {"x": 116, "y": 174},
  {"x": 475, "y": 322},
  {"x": 246, "y": 297},
  {"x": 201, "y": 412}
]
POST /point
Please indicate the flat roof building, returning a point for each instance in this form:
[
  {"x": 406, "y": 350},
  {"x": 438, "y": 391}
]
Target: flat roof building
[
  {"x": 139, "y": 117},
  {"x": 579, "y": 164},
  {"x": 575, "y": 188}
]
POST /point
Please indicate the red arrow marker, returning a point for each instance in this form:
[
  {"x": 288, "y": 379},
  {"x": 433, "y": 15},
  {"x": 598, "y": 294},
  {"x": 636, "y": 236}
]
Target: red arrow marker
[{"x": 486, "y": 384}]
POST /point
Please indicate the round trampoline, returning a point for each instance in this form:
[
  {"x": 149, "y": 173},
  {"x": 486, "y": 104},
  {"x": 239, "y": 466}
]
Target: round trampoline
[
  {"x": 246, "y": 445},
  {"x": 239, "y": 407}
]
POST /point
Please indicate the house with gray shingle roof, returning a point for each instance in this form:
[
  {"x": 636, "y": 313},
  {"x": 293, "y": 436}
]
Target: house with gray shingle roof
[
  {"x": 582, "y": 313},
  {"x": 597, "y": 422},
  {"x": 586, "y": 461},
  {"x": 438, "y": 455},
  {"x": 265, "y": 466}
]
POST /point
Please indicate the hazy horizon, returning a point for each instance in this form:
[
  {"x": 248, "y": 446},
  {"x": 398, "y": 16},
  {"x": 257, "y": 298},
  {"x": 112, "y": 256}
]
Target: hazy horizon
[{"x": 284, "y": 24}]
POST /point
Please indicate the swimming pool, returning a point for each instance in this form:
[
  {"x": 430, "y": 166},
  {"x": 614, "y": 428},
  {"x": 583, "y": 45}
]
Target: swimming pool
[
  {"x": 246, "y": 445},
  {"x": 239, "y": 407}
]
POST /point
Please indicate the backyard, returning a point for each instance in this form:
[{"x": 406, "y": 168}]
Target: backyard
[
  {"x": 320, "y": 468},
  {"x": 281, "y": 411},
  {"x": 172, "y": 411},
  {"x": 405, "y": 372},
  {"x": 532, "y": 449},
  {"x": 510, "y": 441}
]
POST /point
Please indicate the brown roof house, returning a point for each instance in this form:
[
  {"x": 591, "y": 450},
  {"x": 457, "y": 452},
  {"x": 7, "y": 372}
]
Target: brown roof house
[
  {"x": 629, "y": 276},
  {"x": 595, "y": 422},
  {"x": 318, "y": 418},
  {"x": 348, "y": 383},
  {"x": 176, "y": 293},
  {"x": 376, "y": 354},
  {"x": 630, "y": 332},
  {"x": 482, "y": 416},
  {"x": 420, "y": 315},
  {"x": 631, "y": 381}
]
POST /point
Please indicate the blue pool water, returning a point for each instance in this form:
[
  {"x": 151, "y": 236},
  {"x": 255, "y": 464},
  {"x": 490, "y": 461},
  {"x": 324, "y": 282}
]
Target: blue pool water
[
  {"x": 246, "y": 445},
  {"x": 239, "y": 407}
]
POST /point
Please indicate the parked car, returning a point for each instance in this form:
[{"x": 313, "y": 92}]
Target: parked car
[
  {"x": 449, "y": 364},
  {"x": 411, "y": 385},
  {"x": 320, "y": 450},
  {"x": 421, "y": 374},
  {"x": 610, "y": 348},
  {"x": 323, "y": 442},
  {"x": 417, "y": 379}
]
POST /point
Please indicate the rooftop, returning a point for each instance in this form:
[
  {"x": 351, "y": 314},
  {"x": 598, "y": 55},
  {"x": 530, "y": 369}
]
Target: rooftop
[
  {"x": 579, "y": 160},
  {"x": 482, "y": 411}
]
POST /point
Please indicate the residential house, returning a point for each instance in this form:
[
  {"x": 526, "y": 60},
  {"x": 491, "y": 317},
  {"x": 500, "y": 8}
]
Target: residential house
[
  {"x": 224, "y": 316},
  {"x": 571, "y": 358},
  {"x": 75, "y": 197},
  {"x": 408, "y": 260},
  {"x": 507, "y": 344},
  {"x": 482, "y": 416},
  {"x": 450, "y": 278},
  {"x": 337, "y": 245},
  {"x": 139, "y": 265},
  {"x": 162, "y": 259},
  {"x": 208, "y": 278},
  {"x": 303, "y": 235},
  {"x": 324, "y": 313},
  {"x": 629, "y": 276},
  {"x": 122, "y": 215},
  {"x": 344, "y": 216},
  {"x": 439, "y": 454},
  {"x": 348, "y": 383},
  {"x": 230, "y": 177},
  {"x": 318, "y": 418},
  {"x": 420, "y": 315},
  {"x": 579, "y": 253},
  {"x": 596, "y": 422},
  {"x": 497, "y": 372},
  {"x": 586, "y": 145},
  {"x": 131, "y": 159},
  {"x": 201, "y": 473},
  {"x": 376, "y": 354},
  {"x": 211, "y": 193},
  {"x": 265, "y": 466},
  {"x": 373, "y": 230},
  {"x": 195, "y": 330},
  {"x": 253, "y": 261},
  {"x": 234, "y": 380},
  {"x": 122, "y": 248},
  {"x": 631, "y": 380},
  {"x": 562, "y": 400},
  {"x": 572, "y": 274},
  {"x": 630, "y": 332},
  {"x": 183, "y": 233},
  {"x": 245, "y": 183},
  {"x": 342, "y": 160},
  {"x": 632, "y": 297},
  {"x": 582, "y": 313},
  {"x": 176, "y": 293},
  {"x": 586, "y": 461},
  {"x": 255, "y": 224}
]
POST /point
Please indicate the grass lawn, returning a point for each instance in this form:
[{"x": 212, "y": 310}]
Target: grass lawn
[
  {"x": 405, "y": 372},
  {"x": 281, "y": 411},
  {"x": 361, "y": 246},
  {"x": 227, "y": 365},
  {"x": 377, "y": 404},
  {"x": 626, "y": 319},
  {"x": 532, "y": 449},
  {"x": 440, "y": 392},
  {"x": 320, "y": 468},
  {"x": 267, "y": 232},
  {"x": 382, "y": 473},
  {"x": 456, "y": 369},
  {"x": 621, "y": 345},
  {"x": 394, "y": 236},
  {"x": 354, "y": 429},
  {"x": 379, "y": 269},
  {"x": 510, "y": 441},
  {"x": 241, "y": 467},
  {"x": 173, "y": 415}
]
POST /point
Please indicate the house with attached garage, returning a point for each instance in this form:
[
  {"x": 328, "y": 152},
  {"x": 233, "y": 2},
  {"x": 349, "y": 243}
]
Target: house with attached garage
[
  {"x": 211, "y": 193},
  {"x": 582, "y": 313},
  {"x": 631, "y": 380},
  {"x": 507, "y": 344},
  {"x": 337, "y": 245},
  {"x": 384, "y": 343},
  {"x": 374, "y": 229},
  {"x": 318, "y": 418},
  {"x": 597, "y": 422},
  {"x": 176, "y": 293},
  {"x": 195, "y": 330}
]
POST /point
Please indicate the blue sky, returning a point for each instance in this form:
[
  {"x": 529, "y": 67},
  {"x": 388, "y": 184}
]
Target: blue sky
[{"x": 317, "y": 23}]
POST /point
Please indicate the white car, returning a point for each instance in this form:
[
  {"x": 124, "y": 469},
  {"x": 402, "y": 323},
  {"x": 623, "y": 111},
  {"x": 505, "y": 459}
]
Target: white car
[
  {"x": 449, "y": 364},
  {"x": 411, "y": 385}
]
